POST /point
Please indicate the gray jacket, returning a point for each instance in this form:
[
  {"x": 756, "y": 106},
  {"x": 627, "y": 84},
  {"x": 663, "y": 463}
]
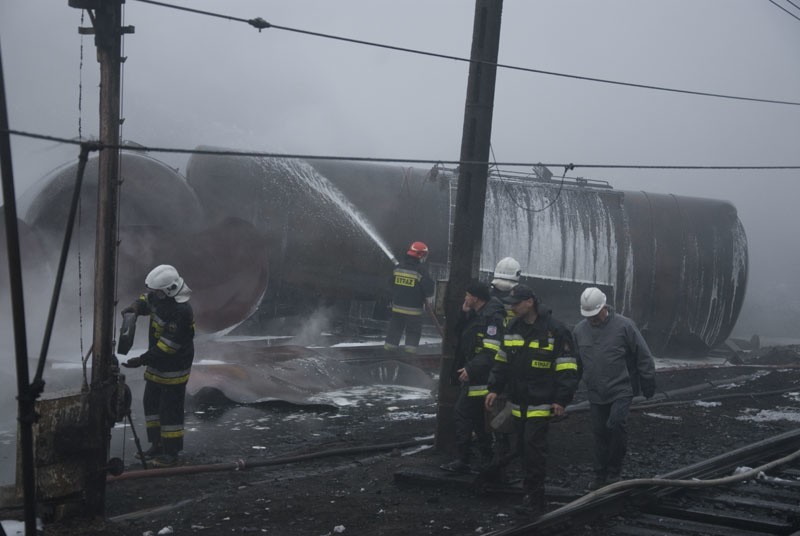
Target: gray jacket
[{"x": 615, "y": 359}]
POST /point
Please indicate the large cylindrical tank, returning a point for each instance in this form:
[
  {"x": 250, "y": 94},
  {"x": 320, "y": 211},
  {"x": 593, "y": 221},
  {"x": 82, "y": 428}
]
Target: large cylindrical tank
[
  {"x": 161, "y": 221},
  {"x": 676, "y": 265}
]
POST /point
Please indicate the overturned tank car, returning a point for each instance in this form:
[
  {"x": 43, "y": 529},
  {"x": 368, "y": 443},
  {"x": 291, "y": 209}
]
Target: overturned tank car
[
  {"x": 677, "y": 265},
  {"x": 263, "y": 239}
]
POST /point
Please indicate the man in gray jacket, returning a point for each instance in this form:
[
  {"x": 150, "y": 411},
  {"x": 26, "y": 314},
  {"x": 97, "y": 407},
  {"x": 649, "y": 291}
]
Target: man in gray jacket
[{"x": 616, "y": 365}]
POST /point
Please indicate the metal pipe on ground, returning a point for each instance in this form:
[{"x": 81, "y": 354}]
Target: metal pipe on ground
[
  {"x": 665, "y": 396},
  {"x": 241, "y": 464}
]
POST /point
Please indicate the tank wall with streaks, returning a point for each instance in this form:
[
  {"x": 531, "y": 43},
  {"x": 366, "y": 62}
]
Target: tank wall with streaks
[{"x": 676, "y": 265}]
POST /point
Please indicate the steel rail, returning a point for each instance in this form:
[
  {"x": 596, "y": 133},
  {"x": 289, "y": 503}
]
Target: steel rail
[{"x": 615, "y": 497}]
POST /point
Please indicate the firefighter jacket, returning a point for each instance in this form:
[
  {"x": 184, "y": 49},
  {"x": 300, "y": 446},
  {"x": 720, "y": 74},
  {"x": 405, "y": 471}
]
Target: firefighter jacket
[
  {"x": 537, "y": 367},
  {"x": 479, "y": 343},
  {"x": 411, "y": 285},
  {"x": 171, "y": 339},
  {"x": 502, "y": 295},
  {"x": 615, "y": 359}
]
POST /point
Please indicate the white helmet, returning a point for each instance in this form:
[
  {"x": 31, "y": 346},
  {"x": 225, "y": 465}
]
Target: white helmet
[
  {"x": 165, "y": 277},
  {"x": 506, "y": 274},
  {"x": 592, "y": 301}
]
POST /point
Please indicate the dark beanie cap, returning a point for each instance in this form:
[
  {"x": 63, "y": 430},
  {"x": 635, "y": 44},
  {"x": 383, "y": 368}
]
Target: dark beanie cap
[{"x": 480, "y": 290}]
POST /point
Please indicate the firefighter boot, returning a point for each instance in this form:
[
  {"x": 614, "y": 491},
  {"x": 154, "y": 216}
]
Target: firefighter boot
[{"x": 154, "y": 450}]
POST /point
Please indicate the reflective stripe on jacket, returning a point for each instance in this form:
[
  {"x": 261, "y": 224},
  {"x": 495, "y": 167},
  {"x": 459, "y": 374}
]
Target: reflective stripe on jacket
[
  {"x": 479, "y": 344},
  {"x": 410, "y": 285},
  {"x": 538, "y": 367},
  {"x": 171, "y": 339}
]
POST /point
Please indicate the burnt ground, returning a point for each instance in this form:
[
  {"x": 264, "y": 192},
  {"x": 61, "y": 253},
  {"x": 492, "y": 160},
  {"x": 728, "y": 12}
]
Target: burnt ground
[{"x": 359, "y": 494}]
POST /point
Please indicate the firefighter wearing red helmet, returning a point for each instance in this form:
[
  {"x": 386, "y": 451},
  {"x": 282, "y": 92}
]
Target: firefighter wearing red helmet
[{"x": 411, "y": 286}]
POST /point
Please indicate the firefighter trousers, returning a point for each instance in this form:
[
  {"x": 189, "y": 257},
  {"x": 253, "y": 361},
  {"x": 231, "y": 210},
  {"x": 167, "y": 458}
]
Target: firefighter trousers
[
  {"x": 411, "y": 324},
  {"x": 470, "y": 416},
  {"x": 163, "y": 410}
]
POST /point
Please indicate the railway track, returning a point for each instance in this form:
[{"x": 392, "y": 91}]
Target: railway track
[{"x": 703, "y": 499}]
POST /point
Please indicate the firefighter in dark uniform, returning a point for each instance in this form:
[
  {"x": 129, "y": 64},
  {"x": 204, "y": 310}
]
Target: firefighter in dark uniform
[
  {"x": 411, "y": 287},
  {"x": 541, "y": 374},
  {"x": 479, "y": 342},
  {"x": 168, "y": 360},
  {"x": 506, "y": 276}
]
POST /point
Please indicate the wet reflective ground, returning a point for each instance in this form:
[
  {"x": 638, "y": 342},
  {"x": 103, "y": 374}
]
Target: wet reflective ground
[{"x": 225, "y": 432}]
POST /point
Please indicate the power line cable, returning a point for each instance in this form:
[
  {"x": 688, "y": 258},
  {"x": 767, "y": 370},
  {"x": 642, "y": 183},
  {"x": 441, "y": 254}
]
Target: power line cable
[
  {"x": 784, "y": 9},
  {"x": 262, "y": 24},
  {"x": 513, "y": 198},
  {"x": 256, "y": 154}
]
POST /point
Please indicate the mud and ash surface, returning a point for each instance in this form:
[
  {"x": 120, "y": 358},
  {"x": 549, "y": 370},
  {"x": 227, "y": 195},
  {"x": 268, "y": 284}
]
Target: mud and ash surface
[{"x": 358, "y": 494}]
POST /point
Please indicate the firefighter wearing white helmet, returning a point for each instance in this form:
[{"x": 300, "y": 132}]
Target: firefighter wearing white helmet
[
  {"x": 411, "y": 286},
  {"x": 168, "y": 360},
  {"x": 506, "y": 274},
  {"x": 617, "y": 365}
]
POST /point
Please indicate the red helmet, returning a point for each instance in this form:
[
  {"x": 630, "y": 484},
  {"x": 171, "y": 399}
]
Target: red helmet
[{"x": 418, "y": 250}]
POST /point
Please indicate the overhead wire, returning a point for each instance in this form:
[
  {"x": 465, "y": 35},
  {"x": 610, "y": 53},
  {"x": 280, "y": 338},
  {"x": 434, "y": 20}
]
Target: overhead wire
[
  {"x": 774, "y": 3},
  {"x": 257, "y": 154},
  {"x": 513, "y": 198},
  {"x": 262, "y": 24}
]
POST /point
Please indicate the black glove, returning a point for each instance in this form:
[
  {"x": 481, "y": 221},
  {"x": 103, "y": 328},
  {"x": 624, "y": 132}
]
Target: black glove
[
  {"x": 648, "y": 388},
  {"x": 133, "y": 362}
]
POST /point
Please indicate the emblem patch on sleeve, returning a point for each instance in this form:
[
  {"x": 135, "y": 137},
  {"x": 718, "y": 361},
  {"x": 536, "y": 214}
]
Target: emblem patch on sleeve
[{"x": 491, "y": 331}]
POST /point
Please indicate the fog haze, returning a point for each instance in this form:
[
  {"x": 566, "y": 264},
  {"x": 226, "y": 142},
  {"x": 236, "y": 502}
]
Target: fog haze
[{"x": 193, "y": 80}]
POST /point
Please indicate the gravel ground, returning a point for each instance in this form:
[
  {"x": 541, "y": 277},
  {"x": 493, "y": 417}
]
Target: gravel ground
[{"x": 360, "y": 494}]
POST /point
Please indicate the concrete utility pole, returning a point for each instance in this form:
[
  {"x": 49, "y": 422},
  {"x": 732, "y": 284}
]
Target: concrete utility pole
[
  {"x": 106, "y": 17},
  {"x": 470, "y": 196}
]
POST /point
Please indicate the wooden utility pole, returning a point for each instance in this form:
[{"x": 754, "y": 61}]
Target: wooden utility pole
[
  {"x": 108, "y": 30},
  {"x": 470, "y": 197}
]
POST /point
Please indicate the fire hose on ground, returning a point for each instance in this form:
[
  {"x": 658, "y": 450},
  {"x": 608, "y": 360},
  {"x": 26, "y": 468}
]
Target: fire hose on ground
[{"x": 241, "y": 464}]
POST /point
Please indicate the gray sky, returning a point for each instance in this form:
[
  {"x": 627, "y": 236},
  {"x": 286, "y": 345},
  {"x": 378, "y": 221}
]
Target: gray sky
[{"x": 192, "y": 79}]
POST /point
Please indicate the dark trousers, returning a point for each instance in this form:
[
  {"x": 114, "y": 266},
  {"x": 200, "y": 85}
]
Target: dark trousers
[
  {"x": 163, "y": 410},
  {"x": 411, "y": 324},
  {"x": 469, "y": 416},
  {"x": 532, "y": 444},
  {"x": 609, "y": 427}
]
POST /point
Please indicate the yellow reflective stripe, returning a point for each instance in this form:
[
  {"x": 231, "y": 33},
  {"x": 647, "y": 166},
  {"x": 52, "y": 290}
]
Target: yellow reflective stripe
[
  {"x": 413, "y": 311},
  {"x": 166, "y": 380},
  {"x": 501, "y": 357},
  {"x": 491, "y": 344},
  {"x": 171, "y": 435},
  {"x": 543, "y": 410},
  {"x": 478, "y": 390},
  {"x": 407, "y": 273},
  {"x": 540, "y": 364},
  {"x": 566, "y": 363},
  {"x": 164, "y": 347},
  {"x": 549, "y": 347},
  {"x": 153, "y": 424},
  {"x": 513, "y": 341}
]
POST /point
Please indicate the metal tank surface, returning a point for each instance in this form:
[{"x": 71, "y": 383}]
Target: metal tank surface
[
  {"x": 162, "y": 221},
  {"x": 676, "y": 265}
]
